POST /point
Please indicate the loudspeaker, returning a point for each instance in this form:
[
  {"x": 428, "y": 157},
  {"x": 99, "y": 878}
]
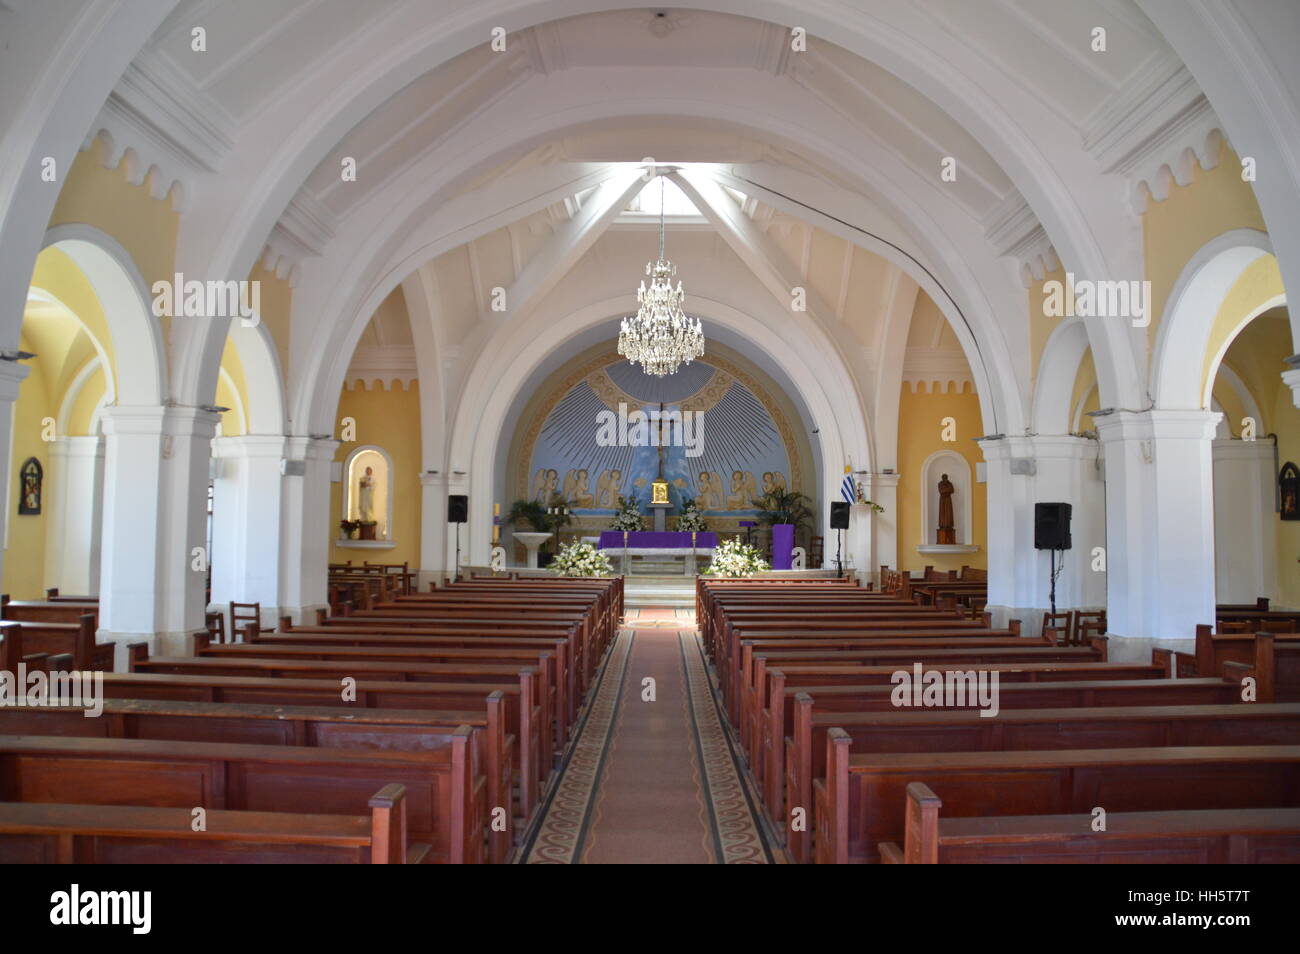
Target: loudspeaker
[
  {"x": 457, "y": 508},
  {"x": 1052, "y": 526},
  {"x": 839, "y": 515}
]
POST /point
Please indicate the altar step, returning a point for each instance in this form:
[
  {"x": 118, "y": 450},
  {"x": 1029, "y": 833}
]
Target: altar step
[{"x": 669, "y": 590}]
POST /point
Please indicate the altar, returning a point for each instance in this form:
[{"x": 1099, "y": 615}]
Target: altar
[{"x": 621, "y": 547}]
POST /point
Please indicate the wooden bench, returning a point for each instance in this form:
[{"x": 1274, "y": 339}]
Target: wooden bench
[
  {"x": 532, "y": 753},
  {"x": 445, "y": 798},
  {"x": 1211, "y": 836},
  {"x": 36, "y": 833},
  {"x": 861, "y": 802},
  {"x": 957, "y": 730},
  {"x": 77, "y": 640},
  {"x": 396, "y": 730}
]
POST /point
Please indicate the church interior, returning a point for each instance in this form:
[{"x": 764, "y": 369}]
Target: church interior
[{"x": 586, "y": 433}]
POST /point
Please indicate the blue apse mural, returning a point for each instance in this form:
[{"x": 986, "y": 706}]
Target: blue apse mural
[{"x": 740, "y": 451}]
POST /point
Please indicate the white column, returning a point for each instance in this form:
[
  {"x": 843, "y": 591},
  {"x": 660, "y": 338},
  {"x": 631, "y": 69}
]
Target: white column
[
  {"x": 129, "y": 603},
  {"x": 1159, "y": 527},
  {"x": 1010, "y": 502},
  {"x": 1245, "y": 520},
  {"x": 306, "y": 527},
  {"x": 433, "y": 528},
  {"x": 1070, "y": 470},
  {"x": 183, "y": 546},
  {"x": 11, "y": 378},
  {"x": 75, "y": 494},
  {"x": 246, "y": 492},
  {"x": 879, "y": 546}
]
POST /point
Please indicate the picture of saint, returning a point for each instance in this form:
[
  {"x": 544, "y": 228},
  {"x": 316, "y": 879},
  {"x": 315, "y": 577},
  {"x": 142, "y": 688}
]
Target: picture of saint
[
  {"x": 581, "y": 492},
  {"x": 743, "y": 491},
  {"x": 608, "y": 486},
  {"x": 708, "y": 491},
  {"x": 30, "y": 478}
]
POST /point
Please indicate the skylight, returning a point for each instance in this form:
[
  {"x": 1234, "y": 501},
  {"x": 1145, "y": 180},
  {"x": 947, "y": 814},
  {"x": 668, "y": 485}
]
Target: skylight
[{"x": 674, "y": 199}]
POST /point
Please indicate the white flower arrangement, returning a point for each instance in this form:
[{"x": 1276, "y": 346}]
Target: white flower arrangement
[
  {"x": 734, "y": 558},
  {"x": 691, "y": 519},
  {"x": 581, "y": 559},
  {"x": 628, "y": 516}
]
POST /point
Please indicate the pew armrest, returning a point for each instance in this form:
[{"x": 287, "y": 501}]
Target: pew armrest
[{"x": 890, "y": 853}]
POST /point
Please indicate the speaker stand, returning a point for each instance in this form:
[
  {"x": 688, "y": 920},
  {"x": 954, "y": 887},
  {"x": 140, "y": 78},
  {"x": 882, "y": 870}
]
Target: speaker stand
[
  {"x": 839, "y": 547},
  {"x": 455, "y": 570}
]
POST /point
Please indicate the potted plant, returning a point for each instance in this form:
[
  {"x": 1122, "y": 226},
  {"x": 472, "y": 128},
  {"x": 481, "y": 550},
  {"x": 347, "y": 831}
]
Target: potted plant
[
  {"x": 349, "y": 528},
  {"x": 691, "y": 519},
  {"x": 581, "y": 559},
  {"x": 628, "y": 515},
  {"x": 733, "y": 558}
]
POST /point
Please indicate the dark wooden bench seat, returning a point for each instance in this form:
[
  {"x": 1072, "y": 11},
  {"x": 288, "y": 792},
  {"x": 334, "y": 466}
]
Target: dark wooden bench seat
[
  {"x": 533, "y": 750},
  {"x": 75, "y": 639},
  {"x": 36, "y": 833},
  {"x": 965, "y": 730},
  {"x": 1211, "y": 836},
  {"x": 397, "y": 730},
  {"x": 862, "y": 800},
  {"x": 445, "y": 797}
]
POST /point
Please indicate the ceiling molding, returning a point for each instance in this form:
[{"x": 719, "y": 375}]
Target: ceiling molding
[
  {"x": 1016, "y": 233},
  {"x": 1155, "y": 130},
  {"x": 386, "y": 363}
]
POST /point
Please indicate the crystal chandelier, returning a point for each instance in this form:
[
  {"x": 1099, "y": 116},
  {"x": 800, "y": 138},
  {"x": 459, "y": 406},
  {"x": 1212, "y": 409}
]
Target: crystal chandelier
[{"x": 660, "y": 337}]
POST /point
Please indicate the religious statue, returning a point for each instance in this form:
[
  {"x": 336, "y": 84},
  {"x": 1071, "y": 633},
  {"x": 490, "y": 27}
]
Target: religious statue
[
  {"x": 947, "y": 532},
  {"x": 366, "y": 496}
]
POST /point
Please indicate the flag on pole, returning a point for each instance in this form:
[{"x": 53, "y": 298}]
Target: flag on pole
[{"x": 848, "y": 489}]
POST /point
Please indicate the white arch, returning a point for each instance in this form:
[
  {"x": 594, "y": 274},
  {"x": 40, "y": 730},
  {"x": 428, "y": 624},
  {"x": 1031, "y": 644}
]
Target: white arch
[
  {"x": 1233, "y": 380},
  {"x": 1076, "y": 418},
  {"x": 1190, "y": 311},
  {"x": 262, "y": 377},
  {"x": 501, "y": 373},
  {"x": 1057, "y": 369},
  {"x": 75, "y": 388},
  {"x": 139, "y": 358},
  {"x": 240, "y": 411}
]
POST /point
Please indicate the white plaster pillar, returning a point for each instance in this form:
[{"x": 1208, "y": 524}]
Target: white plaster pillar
[
  {"x": 246, "y": 496},
  {"x": 11, "y": 378},
  {"x": 433, "y": 528},
  {"x": 75, "y": 494},
  {"x": 1159, "y": 527},
  {"x": 1067, "y": 470},
  {"x": 1245, "y": 520},
  {"x": 1010, "y": 507},
  {"x": 306, "y": 528},
  {"x": 182, "y": 575},
  {"x": 881, "y": 529}
]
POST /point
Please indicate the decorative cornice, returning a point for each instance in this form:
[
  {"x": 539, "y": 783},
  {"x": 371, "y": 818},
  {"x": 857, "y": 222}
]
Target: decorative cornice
[
  {"x": 1155, "y": 130},
  {"x": 1016, "y": 232},
  {"x": 164, "y": 128},
  {"x": 386, "y": 363}
]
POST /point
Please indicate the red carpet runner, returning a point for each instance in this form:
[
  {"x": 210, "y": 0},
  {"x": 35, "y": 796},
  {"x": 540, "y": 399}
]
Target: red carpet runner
[{"x": 651, "y": 782}]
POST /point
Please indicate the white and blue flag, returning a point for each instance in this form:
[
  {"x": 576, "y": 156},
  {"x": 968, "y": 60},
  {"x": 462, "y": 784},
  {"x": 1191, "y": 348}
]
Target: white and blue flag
[{"x": 848, "y": 489}]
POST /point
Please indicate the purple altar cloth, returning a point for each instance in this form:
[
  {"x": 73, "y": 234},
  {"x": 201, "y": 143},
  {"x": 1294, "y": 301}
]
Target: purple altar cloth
[
  {"x": 782, "y": 546},
  {"x": 652, "y": 539}
]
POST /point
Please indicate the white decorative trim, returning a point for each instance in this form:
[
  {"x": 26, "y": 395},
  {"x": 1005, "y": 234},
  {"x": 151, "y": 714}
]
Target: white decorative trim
[
  {"x": 1155, "y": 130},
  {"x": 387, "y": 363},
  {"x": 938, "y": 548},
  {"x": 164, "y": 128},
  {"x": 366, "y": 544},
  {"x": 1016, "y": 233}
]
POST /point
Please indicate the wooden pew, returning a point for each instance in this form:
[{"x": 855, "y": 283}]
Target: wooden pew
[
  {"x": 965, "y": 730},
  {"x": 861, "y": 802},
  {"x": 1213, "y": 651},
  {"x": 36, "y": 833},
  {"x": 1210, "y": 836},
  {"x": 396, "y": 730},
  {"x": 444, "y": 794},
  {"x": 43, "y": 611},
  {"x": 532, "y": 752},
  {"x": 54, "y": 639}
]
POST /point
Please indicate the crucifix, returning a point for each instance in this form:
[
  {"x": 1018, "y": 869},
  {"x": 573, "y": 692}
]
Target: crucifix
[{"x": 659, "y": 488}]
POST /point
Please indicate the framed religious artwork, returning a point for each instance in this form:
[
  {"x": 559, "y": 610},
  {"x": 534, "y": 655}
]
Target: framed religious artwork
[
  {"x": 1289, "y": 492},
  {"x": 30, "y": 478}
]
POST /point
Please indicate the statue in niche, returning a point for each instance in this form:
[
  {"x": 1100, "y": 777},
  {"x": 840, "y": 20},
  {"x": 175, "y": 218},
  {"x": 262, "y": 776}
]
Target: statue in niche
[
  {"x": 31, "y": 477},
  {"x": 947, "y": 532},
  {"x": 366, "y": 496}
]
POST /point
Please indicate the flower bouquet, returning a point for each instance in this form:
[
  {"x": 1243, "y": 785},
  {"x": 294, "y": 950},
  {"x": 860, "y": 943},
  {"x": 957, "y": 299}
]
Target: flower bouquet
[
  {"x": 581, "y": 559},
  {"x": 736, "y": 558}
]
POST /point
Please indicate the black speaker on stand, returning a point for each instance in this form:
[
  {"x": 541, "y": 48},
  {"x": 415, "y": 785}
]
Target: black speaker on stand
[
  {"x": 839, "y": 523},
  {"x": 457, "y": 513},
  {"x": 1052, "y": 533}
]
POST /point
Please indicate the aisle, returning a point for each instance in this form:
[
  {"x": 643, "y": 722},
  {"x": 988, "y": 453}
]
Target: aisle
[{"x": 651, "y": 782}]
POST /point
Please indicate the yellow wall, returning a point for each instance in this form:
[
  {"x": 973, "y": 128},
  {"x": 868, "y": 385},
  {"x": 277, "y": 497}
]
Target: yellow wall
[
  {"x": 277, "y": 309},
  {"x": 919, "y": 435},
  {"x": 1214, "y": 202},
  {"x": 391, "y": 420},
  {"x": 24, "y": 565}
]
